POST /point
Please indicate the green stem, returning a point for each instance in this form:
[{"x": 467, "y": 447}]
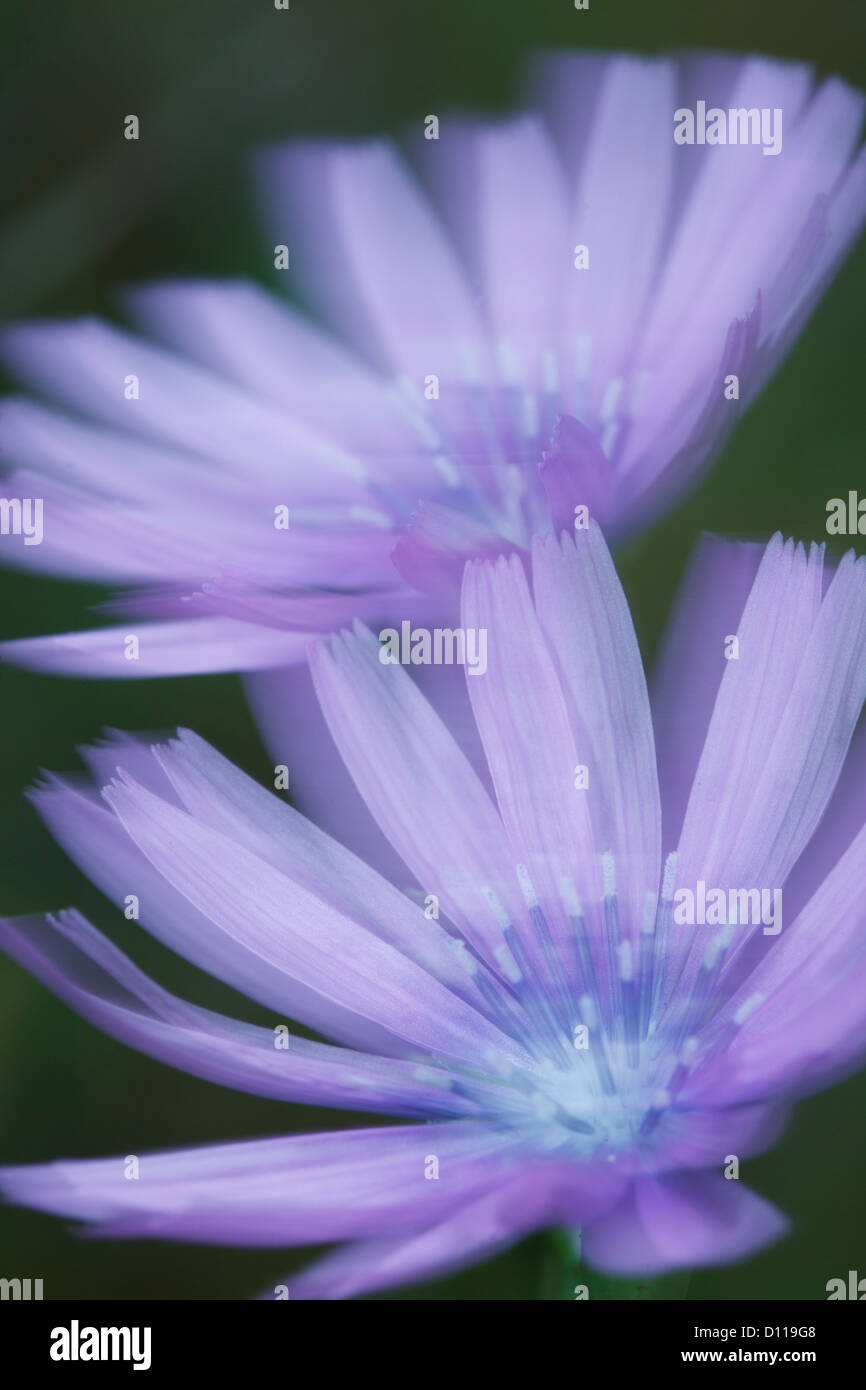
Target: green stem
[{"x": 563, "y": 1276}]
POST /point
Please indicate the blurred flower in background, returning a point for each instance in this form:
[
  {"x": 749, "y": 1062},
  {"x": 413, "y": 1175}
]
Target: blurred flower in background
[
  {"x": 581, "y": 1059},
  {"x": 513, "y": 319}
]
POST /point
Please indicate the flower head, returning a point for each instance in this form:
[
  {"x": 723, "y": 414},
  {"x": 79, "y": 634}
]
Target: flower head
[
  {"x": 564, "y": 309},
  {"x": 583, "y": 1055}
]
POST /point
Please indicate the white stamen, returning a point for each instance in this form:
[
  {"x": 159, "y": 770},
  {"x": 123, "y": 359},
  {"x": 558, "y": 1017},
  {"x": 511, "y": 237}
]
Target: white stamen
[
  {"x": 569, "y": 896},
  {"x": 549, "y": 371},
  {"x": 608, "y": 875},
  {"x": 543, "y": 1106},
  {"x": 508, "y": 362},
  {"x": 609, "y": 434},
  {"x": 582, "y": 355},
  {"x": 637, "y": 391},
  {"x": 588, "y": 1011},
  {"x": 373, "y": 518},
  {"x": 526, "y": 887},
  {"x": 467, "y": 359},
  {"x": 748, "y": 1007},
  {"x": 611, "y": 399},
  {"x": 461, "y": 951},
  {"x": 669, "y": 877},
  {"x": 716, "y": 948},
  {"x": 515, "y": 480},
  {"x": 649, "y": 915},
  {"x": 431, "y": 1077},
  {"x": 529, "y": 415},
  {"x": 626, "y": 960},
  {"x": 508, "y": 965},
  {"x": 496, "y": 908},
  {"x": 447, "y": 469}
]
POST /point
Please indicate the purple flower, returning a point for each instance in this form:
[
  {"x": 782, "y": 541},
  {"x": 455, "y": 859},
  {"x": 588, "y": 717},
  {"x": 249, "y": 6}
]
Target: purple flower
[
  {"x": 581, "y": 1057},
  {"x": 567, "y": 308}
]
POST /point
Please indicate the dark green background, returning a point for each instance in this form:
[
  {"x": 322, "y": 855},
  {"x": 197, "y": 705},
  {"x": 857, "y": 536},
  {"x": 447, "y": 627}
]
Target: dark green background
[{"x": 85, "y": 212}]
